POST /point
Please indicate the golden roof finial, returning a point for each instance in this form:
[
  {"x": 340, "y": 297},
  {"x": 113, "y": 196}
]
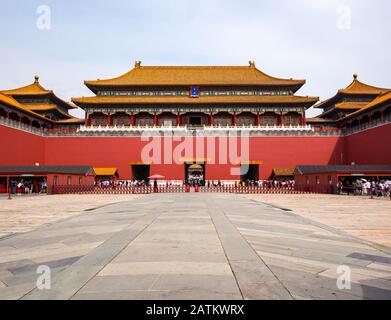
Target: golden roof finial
[
  {"x": 355, "y": 76},
  {"x": 36, "y": 78},
  {"x": 252, "y": 64},
  {"x": 137, "y": 64}
]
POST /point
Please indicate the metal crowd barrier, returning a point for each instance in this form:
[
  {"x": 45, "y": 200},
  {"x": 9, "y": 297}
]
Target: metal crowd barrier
[{"x": 117, "y": 190}]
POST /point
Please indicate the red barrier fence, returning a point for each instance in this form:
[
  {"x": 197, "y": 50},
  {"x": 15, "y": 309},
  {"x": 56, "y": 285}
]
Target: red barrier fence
[
  {"x": 98, "y": 190},
  {"x": 171, "y": 189},
  {"x": 250, "y": 190}
]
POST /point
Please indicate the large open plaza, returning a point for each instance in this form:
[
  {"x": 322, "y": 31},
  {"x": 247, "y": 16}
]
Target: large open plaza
[{"x": 195, "y": 246}]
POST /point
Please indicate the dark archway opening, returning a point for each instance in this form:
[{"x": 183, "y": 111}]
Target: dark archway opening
[
  {"x": 249, "y": 172},
  {"x": 141, "y": 172},
  {"x": 195, "y": 173}
]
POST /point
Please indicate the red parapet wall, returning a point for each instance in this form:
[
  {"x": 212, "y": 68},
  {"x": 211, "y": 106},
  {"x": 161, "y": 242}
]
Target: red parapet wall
[{"x": 22, "y": 148}]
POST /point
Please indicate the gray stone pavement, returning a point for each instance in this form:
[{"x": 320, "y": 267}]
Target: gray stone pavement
[{"x": 191, "y": 246}]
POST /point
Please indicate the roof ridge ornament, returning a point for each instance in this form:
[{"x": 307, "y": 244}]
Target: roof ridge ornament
[
  {"x": 251, "y": 64},
  {"x": 355, "y": 76},
  {"x": 137, "y": 64},
  {"x": 36, "y": 78}
]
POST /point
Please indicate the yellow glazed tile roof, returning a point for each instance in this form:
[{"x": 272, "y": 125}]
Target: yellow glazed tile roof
[
  {"x": 194, "y": 75},
  {"x": 383, "y": 98},
  {"x": 45, "y": 107},
  {"x": 32, "y": 89},
  {"x": 7, "y": 100},
  {"x": 355, "y": 88},
  {"x": 350, "y": 105},
  {"x": 40, "y": 107},
  {"x": 71, "y": 120},
  {"x": 35, "y": 89},
  {"x": 284, "y": 172},
  {"x": 105, "y": 171}
]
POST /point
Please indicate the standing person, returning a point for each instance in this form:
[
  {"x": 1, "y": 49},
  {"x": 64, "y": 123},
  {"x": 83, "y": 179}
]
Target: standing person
[
  {"x": 364, "y": 189},
  {"x": 20, "y": 184},
  {"x": 340, "y": 187},
  {"x": 155, "y": 188},
  {"x": 373, "y": 188},
  {"x": 43, "y": 186}
]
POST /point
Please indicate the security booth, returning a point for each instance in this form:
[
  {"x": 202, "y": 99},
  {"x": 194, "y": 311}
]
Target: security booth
[
  {"x": 283, "y": 174},
  {"x": 44, "y": 179},
  {"x": 106, "y": 174},
  {"x": 326, "y": 179}
]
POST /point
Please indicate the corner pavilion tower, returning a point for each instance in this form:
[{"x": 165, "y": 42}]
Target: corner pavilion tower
[
  {"x": 195, "y": 97},
  {"x": 39, "y": 101},
  {"x": 355, "y": 98}
]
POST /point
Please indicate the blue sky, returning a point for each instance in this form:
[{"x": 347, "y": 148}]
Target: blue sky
[{"x": 91, "y": 39}]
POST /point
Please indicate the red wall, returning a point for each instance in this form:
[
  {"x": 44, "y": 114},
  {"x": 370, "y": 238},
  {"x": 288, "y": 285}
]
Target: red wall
[
  {"x": 370, "y": 147},
  {"x": 274, "y": 152},
  {"x": 21, "y": 148},
  {"x": 288, "y": 152},
  {"x": 62, "y": 179}
]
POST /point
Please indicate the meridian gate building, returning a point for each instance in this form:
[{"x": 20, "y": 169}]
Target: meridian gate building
[{"x": 200, "y": 106}]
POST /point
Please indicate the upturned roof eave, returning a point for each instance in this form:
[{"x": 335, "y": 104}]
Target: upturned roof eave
[{"x": 80, "y": 103}]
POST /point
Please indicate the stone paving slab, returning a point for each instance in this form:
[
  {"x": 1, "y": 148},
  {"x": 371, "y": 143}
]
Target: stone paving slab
[
  {"x": 72, "y": 279},
  {"x": 43, "y": 210},
  {"x": 358, "y": 216},
  {"x": 192, "y": 246}
]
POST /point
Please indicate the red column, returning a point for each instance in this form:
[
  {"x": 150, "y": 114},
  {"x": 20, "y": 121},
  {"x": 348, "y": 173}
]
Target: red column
[
  {"x": 108, "y": 120},
  {"x": 211, "y": 122},
  {"x": 235, "y": 119},
  {"x": 155, "y": 119},
  {"x": 258, "y": 119},
  {"x": 132, "y": 122},
  {"x": 304, "y": 119},
  {"x": 178, "y": 121},
  {"x": 281, "y": 120},
  {"x": 86, "y": 119}
]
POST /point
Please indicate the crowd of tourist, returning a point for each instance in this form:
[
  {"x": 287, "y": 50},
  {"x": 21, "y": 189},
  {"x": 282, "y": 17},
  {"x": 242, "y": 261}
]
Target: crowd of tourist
[
  {"x": 106, "y": 184},
  {"x": 265, "y": 184},
  {"x": 270, "y": 184},
  {"x": 359, "y": 187},
  {"x": 366, "y": 188},
  {"x": 27, "y": 186}
]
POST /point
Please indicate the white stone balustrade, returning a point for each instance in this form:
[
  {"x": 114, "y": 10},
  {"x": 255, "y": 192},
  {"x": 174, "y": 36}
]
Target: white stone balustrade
[{"x": 185, "y": 128}]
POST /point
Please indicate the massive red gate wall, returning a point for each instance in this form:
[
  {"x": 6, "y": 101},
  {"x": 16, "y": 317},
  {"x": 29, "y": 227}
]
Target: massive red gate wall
[{"x": 22, "y": 148}]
